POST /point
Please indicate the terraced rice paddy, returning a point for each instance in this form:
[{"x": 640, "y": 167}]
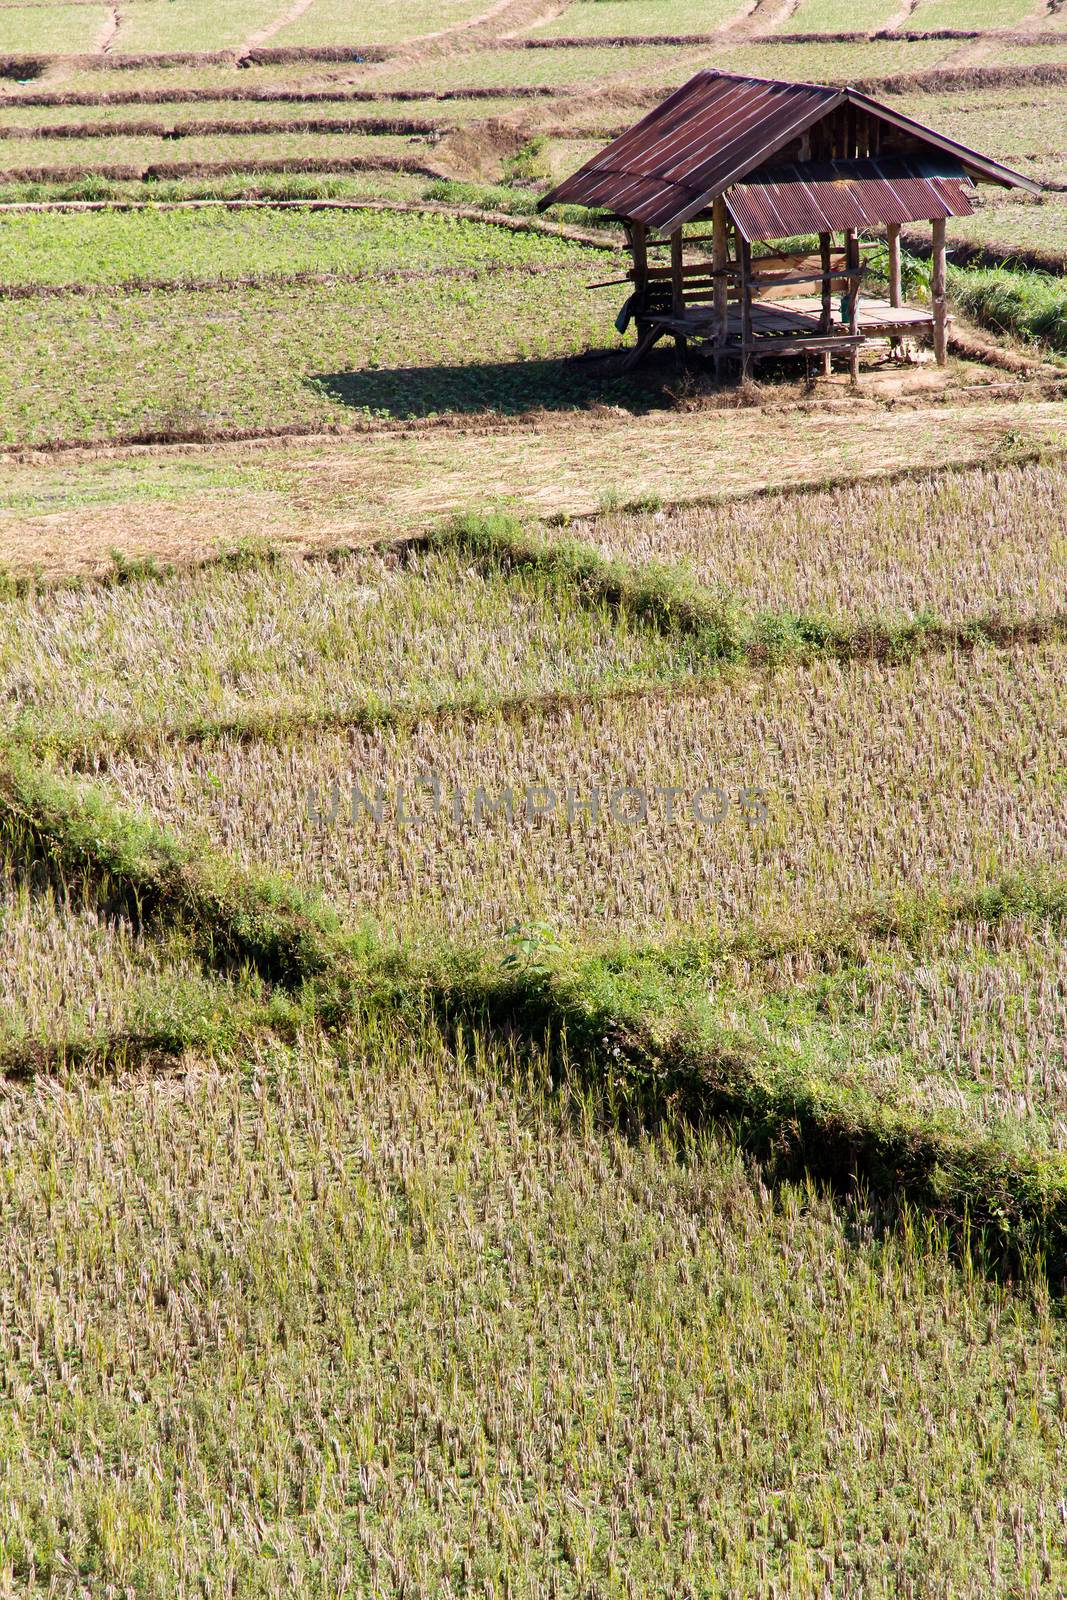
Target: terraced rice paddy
[
  {"x": 323, "y": 638},
  {"x": 590, "y": 19},
  {"x": 878, "y": 778},
  {"x": 308, "y": 355},
  {"x": 957, "y": 546},
  {"x": 59, "y": 162},
  {"x": 95, "y": 247},
  {"x": 970, "y": 1024},
  {"x": 59, "y": 28},
  {"x": 147, "y": 26},
  {"x": 71, "y": 975},
  {"x": 643, "y": 1352}
]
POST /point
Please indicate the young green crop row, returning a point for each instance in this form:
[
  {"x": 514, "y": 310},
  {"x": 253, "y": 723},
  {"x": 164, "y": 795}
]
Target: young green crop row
[
  {"x": 101, "y": 247},
  {"x": 303, "y": 356}
]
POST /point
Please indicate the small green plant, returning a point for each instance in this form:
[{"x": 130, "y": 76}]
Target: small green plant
[
  {"x": 533, "y": 949},
  {"x": 528, "y": 165}
]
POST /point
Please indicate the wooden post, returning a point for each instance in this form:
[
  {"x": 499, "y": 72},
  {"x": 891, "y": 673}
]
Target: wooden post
[
  {"x": 678, "y": 283},
  {"x": 827, "y": 297},
  {"x": 720, "y": 256},
  {"x": 892, "y": 234},
  {"x": 937, "y": 293},
  {"x": 636, "y": 233},
  {"x": 852, "y": 261},
  {"x": 744, "y": 253}
]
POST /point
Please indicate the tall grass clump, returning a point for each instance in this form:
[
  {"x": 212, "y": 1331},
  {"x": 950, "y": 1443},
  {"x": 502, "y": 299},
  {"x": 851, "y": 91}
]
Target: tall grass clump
[{"x": 1026, "y": 304}]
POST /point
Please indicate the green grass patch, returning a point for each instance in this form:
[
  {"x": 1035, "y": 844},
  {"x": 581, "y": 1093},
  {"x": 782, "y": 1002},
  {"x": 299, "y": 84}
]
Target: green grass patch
[
  {"x": 102, "y": 247},
  {"x": 1027, "y": 305}
]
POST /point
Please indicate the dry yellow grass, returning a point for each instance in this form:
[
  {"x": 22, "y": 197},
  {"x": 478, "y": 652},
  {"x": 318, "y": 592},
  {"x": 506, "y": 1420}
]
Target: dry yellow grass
[
  {"x": 347, "y": 490},
  {"x": 305, "y": 639}
]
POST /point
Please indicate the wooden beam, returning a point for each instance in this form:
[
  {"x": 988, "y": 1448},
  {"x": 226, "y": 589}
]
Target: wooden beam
[
  {"x": 827, "y": 296},
  {"x": 892, "y": 234},
  {"x": 678, "y": 284},
  {"x": 745, "y": 262},
  {"x": 937, "y": 293},
  {"x": 677, "y": 273}
]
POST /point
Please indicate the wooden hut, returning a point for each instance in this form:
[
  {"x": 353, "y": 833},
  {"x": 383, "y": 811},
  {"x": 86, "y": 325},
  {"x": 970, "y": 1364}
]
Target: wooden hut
[{"x": 763, "y": 161}]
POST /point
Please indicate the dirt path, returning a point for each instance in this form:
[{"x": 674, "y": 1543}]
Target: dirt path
[
  {"x": 106, "y": 37},
  {"x": 900, "y": 18},
  {"x": 765, "y": 17},
  {"x": 292, "y": 14}
]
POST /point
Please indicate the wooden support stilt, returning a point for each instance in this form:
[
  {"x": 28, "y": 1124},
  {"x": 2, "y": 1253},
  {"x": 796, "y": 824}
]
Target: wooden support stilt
[
  {"x": 827, "y": 298},
  {"x": 637, "y": 235},
  {"x": 852, "y": 261},
  {"x": 937, "y": 293},
  {"x": 720, "y": 255},
  {"x": 678, "y": 283},
  {"x": 744, "y": 253},
  {"x": 892, "y": 234}
]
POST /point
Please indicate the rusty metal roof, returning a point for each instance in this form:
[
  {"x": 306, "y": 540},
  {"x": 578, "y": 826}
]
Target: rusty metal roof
[
  {"x": 710, "y": 132},
  {"x": 828, "y": 196},
  {"x": 718, "y": 128}
]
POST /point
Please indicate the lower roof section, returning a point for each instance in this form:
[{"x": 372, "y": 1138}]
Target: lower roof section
[{"x": 829, "y": 196}]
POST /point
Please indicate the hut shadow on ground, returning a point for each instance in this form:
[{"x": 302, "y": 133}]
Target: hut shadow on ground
[{"x": 507, "y": 387}]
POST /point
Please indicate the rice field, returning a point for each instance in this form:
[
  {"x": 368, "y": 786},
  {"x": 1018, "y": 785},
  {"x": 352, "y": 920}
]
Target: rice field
[
  {"x": 970, "y": 1025},
  {"x": 1015, "y": 122},
  {"x": 60, "y": 29},
  {"x": 437, "y": 1332},
  {"x": 513, "y": 67},
  {"x": 60, "y": 161},
  {"x": 308, "y": 355},
  {"x": 148, "y": 26},
  {"x": 322, "y": 1271},
  {"x": 877, "y": 779},
  {"x": 973, "y": 14},
  {"x": 590, "y": 19},
  {"x": 322, "y": 638},
  {"x": 327, "y": 22},
  {"x": 830, "y": 16},
  {"x": 70, "y": 974},
  {"x": 956, "y": 545},
  {"x": 261, "y": 105}
]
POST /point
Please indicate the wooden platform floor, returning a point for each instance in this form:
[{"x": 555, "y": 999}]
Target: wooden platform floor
[{"x": 801, "y": 317}]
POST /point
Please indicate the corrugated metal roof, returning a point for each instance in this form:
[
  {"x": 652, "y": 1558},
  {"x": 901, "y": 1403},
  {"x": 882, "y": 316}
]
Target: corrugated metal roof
[
  {"x": 717, "y": 129},
  {"x": 829, "y": 196},
  {"x": 704, "y": 136}
]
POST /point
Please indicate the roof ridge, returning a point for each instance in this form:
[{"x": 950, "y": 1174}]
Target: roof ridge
[{"x": 779, "y": 83}]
